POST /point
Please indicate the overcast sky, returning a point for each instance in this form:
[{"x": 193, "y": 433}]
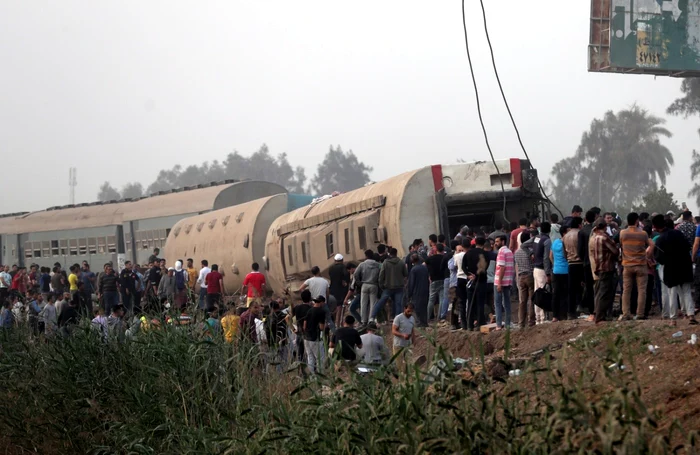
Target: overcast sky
[{"x": 122, "y": 89}]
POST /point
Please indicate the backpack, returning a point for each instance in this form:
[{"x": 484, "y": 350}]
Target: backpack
[{"x": 180, "y": 280}]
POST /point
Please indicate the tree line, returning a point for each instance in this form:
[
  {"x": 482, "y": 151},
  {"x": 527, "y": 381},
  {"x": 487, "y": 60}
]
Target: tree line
[
  {"x": 339, "y": 171},
  {"x": 621, "y": 163}
]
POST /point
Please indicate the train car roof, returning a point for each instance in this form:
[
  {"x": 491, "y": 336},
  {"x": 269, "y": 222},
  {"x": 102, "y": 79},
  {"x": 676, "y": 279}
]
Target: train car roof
[{"x": 200, "y": 198}]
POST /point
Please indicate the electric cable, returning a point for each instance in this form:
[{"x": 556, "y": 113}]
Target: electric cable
[
  {"x": 505, "y": 101},
  {"x": 478, "y": 109}
]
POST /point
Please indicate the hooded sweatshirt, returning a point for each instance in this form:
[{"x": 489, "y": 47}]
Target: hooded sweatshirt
[
  {"x": 367, "y": 272},
  {"x": 392, "y": 273}
]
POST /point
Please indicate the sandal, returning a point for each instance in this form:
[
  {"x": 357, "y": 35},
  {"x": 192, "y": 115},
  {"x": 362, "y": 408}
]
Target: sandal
[{"x": 693, "y": 321}]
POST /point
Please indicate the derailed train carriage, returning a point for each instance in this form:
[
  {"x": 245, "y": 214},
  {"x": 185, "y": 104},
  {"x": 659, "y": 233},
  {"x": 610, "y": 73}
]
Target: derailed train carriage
[
  {"x": 411, "y": 205},
  {"x": 116, "y": 231}
]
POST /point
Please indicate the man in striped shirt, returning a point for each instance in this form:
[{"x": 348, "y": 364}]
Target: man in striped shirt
[
  {"x": 503, "y": 280},
  {"x": 636, "y": 248},
  {"x": 603, "y": 254}
]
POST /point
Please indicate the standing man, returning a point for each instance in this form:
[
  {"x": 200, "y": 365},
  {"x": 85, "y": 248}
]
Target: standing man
[
  {"x": 340, "y": 280},
  {"x": 367, "y": 276},
  {"x": 191, "y": 275},
  {"x": 475, "y": 264},
  {"x": 201, "y": 281},
  {"x": 214, "y": 282},
  {"x": 436, "y": 295},
  {"x": 5, "y": 283},
  {"x": 374, "y": 352},
  {"x": 515, "y": 234},
  {"x": 419, "y": 289},
  {"x": 404, "y": 335},
  {"x": 526, "y": 282},
  {"x": 676, "y": 270},
  {"x": 314, "y": 326},
  {"x": 636, "y": 248},
  {"x": 392, "y": 279},
  {"x": 505, "y": 266},
  {"x": 89, "y": 280},
  {"x": 576, "y": 270},
  {"x": 687, "y": 227},
  {"x": 73, "y": 279},
  {"x": 603, "y": 254},
  {"x": 584, "y": 236},
  {"x": 127, "y": 281},
  {"x": 108, "y": 288},
  {"x": 542, "y": 265},
  {"x": 255, "y": 282}
]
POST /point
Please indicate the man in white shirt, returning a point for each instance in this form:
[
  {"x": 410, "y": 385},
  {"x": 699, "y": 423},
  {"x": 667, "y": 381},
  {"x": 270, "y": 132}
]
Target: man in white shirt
[
  {"x": 319, "y": 287},
  {"x": 5, "y": 283},
  {"x": 202, "y": 284}
]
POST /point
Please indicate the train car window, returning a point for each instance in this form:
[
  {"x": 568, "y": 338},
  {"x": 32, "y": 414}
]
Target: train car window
[
  {"x": 64, "y": 247},
  {"x": 362, "y": 236},
  {"x": 289, "y": 256},
  {"x": 28, "y": 250},
  {"x": 46, "y": 249},
  {"x": 167, "y": 233},
  {"x": 13, "y": 251},
  {"x": 101, "y": 245},
  {"x": 54, "y": 247},
  {"x": 73, "y": 247},
  {"x": 246, "y": 241},
  {"x": 92, "y": 245},
  {"x": 347, "y": 240},
  {"x": 112, "y": 244},
  {"x": 163, "y": 235},
  {"x": 127, "y": 242},
  {"x": 303, "y": 251},
  {"x": 329, "y": 244},
  {"x": 82, "y": 246},
  {"x": 37, "y": 249}
]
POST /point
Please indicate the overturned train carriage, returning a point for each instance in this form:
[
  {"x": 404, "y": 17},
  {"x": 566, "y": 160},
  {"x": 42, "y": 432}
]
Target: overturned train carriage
[
  {"x": 233, "y": 237},
  {"x": 434, "y": 199}
]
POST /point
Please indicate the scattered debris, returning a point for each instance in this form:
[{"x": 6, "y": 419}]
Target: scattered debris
[
  {"x": 677, "y": 334},
  {"x": 652, "y": 348},
  {"x": 573, "y": 340},
  {"x": 615, "y": 365},
  {"x": 651, "y": 367},
  {"x": 514, "y": 373},
  {"x": 693, "y": 339}
]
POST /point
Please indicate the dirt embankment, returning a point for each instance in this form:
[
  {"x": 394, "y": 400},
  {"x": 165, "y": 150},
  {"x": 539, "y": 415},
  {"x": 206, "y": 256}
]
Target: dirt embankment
[{"x": 669, "y": 378}]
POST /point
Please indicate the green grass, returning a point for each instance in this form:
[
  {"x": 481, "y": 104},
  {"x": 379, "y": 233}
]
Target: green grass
[{"x": 170, "y": 392}]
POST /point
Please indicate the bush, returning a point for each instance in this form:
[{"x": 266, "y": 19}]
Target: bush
[{"x": 170, "y": 392}]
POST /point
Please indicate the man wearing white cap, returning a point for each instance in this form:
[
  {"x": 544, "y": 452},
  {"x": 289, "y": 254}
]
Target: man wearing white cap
[{"x": 340, "y": 280}]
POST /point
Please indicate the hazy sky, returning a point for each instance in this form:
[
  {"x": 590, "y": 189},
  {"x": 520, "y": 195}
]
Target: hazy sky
[{"x": 123, "y": 89}]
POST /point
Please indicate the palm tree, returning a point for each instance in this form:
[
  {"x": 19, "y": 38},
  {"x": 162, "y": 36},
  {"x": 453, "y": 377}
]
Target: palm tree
[{"x": 620, "y": 159}]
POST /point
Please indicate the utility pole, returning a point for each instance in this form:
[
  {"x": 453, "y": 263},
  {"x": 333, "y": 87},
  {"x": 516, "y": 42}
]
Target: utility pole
[{"x": 72, "y": 183}]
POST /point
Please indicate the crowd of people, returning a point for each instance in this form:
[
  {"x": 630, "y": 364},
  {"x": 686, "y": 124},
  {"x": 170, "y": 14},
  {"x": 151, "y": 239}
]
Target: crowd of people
[{"x": 554, "y": 270}]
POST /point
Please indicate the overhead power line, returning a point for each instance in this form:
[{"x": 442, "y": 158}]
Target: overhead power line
[
  {"x": 505, "y": 100},
  {"x": 478, "y": 109}
]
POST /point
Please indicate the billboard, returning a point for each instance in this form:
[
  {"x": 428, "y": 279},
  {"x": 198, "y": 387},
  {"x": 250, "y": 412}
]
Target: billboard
[{"x": 659, "y": 37}]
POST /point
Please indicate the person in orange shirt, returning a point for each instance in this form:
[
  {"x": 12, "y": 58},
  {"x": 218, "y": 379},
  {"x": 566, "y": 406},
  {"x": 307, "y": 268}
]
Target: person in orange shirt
[{"x": 191, "y": 274}]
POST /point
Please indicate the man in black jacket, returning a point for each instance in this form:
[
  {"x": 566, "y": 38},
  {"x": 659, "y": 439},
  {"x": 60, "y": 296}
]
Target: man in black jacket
[{"x": 475, "y": 264}]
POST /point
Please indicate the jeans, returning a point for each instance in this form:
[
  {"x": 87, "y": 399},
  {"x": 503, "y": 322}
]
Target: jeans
[
  {"x": 630, "y": 274},
  {"x": 437, "y": 294},
  {"x": 462, "y": 301},
  {"x": 560, "y": 295},
  {"x": 476, "y": 297},
  {"x": 604, "y": 287},
  {"x": 126, "y": 301},
  {"x": 526, "y": 294},
  {"x": 315, "y": 355},
  {"x": 502, "y": 301},
  {"x": 354, "y": 305},
  {"x": 396, "y": 296},
  {"x": 445, "y": 304},
  {"x": 369, "y": 298},
  {"x": 576, "y": 286},
  {"x": 202, "y": 298},
  {"x": 109, "y": 300}
]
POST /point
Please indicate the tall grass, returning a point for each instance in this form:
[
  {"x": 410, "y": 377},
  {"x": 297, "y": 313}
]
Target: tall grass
[{"x": 170, "y": 392}]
